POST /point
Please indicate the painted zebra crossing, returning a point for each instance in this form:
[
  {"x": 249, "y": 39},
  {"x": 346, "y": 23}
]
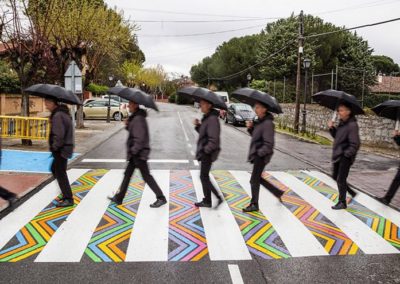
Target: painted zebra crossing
[{"x": 96, "y": 231}]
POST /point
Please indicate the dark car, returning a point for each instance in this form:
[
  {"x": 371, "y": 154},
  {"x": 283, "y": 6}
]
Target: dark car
[{"x": 239, "y": 114}]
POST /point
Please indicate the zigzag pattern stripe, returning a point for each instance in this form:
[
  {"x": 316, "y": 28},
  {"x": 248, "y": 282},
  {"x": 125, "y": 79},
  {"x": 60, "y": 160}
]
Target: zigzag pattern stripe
[
  {"x": 334, "y": 240},
  {"x": 259, "y": 234},
  {"x": 186, "y": 232},
  {"x": 110, "y": 239},
  {"x": 34, "y": 236},
  {"x": 382, "y": 226}
]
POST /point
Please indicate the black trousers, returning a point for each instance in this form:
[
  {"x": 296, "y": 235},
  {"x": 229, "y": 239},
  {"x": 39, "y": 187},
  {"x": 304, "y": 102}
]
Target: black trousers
[
  {"x": 394, "y": 186},
  {"x": 147, "y": 177},
  {"x": 5, "y": 194},
  {"x": 208, "y": 187},
  {"x": 59, "y": 170},
  {"x": 341, "y": 171},
  {"x": 256, "y": 179}
]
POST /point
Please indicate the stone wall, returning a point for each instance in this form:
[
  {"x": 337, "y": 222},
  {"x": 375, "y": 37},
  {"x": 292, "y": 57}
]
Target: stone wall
[
  {"x": 11, "y": 104},
  {"x": 374, "y": 130}
]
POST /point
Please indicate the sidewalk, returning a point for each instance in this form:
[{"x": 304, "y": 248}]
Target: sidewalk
[
  {"x": 372, "y": 173},
  {"x": 22, "y": 183}
]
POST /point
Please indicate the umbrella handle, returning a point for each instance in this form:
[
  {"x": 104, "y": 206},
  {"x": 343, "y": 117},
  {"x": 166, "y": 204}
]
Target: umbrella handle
[
  {"x": 334, "y": 116},
  {"x": 397, "y": 128}
]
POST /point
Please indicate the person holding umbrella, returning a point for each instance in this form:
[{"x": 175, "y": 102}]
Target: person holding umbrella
[
  {"x": 262, "y": 133},
  {"x": 346, "y": 138},
  {"x": 138, "y": 143},
  {"x": 208, "y": 143},
  {"x": 61, "y": 139},
  {"x": 391, "y": 110}
]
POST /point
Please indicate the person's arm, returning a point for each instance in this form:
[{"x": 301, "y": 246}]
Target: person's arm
[
  {"x": 213, "y": 134},
  {"x": 139, "y": 135},
  {"x": 58, "y": 133},
  {"x": 332, "y": 128},
  {"x": 197, "y": 125},
  {"x": 396, "y": 139},
  {"x": 354, "y": 141},
  {"x": 267, "y": 147}
]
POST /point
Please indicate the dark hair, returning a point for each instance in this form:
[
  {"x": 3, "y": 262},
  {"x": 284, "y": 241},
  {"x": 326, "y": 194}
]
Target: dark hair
[{"x": 346, "y": 105}]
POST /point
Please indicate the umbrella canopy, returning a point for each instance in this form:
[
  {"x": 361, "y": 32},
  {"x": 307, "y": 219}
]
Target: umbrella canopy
[
  {"x": 198, "y": 94},
  {"x": 54, "y": 92},
  {"x": 389, "y": 109},
  {"x": 251, "y": 97},
  {"x": 332, "y": 98},
  {"x": 135, "y": 95}
]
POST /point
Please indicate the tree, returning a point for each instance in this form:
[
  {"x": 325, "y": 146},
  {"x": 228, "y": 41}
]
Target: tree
[
  {"x": 9, "y": 82},
  {"x": 384, "y": 64}
]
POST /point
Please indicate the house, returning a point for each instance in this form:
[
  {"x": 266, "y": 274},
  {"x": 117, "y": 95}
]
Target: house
[{"x": 386, "y": 85}]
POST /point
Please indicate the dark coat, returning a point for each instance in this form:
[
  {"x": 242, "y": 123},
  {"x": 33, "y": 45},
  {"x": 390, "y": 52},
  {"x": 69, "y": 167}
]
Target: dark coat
[
  {"x": 138, "y": 144},
  {"x": 262, "y": 139},
  {"x": 61, "y": 140},
  {"x": 397, "y": 139},
  {"x": 347, "y": 140},
  {"x": 209, "y": 136}
]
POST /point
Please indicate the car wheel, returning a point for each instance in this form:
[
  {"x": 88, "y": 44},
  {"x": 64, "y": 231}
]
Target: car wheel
[{"x": 118, "y": 116}]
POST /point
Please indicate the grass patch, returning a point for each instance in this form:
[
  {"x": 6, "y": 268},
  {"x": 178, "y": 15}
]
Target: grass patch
[{"x": 313, "y": 138}]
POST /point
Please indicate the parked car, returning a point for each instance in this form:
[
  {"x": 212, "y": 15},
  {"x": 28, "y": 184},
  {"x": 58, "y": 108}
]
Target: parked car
[
  {"x": 98, "y": 109},
  {"x": 239, "y": 114}
]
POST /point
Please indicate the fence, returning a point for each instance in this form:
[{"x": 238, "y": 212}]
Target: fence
[{"x": 24, "y": 127}]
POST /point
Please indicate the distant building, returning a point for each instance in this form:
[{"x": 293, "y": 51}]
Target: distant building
[{"x": 386, "y": 85}]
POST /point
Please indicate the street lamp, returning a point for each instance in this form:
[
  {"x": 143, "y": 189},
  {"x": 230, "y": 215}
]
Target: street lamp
[
  {"x": 110, "y": 78},
  {"x": 306, "y": 65},
  {"x": 248, "y": 79}
]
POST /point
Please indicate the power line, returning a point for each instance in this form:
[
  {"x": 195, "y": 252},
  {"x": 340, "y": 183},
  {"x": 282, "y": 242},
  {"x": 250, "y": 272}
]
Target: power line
[
  {"x": 202, "y": 34},
  {"x": 204, "y": 21},
  {"x": 364, "y": 5}
]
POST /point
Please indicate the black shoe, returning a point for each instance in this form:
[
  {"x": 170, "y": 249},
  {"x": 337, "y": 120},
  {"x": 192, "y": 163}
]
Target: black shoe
[
  {"x": 116, "y": 201},
  {"x": 383, "y": 200},
  {"x": 251, "y": 208},
  {"x": 352, "y": 193},
  {"x": 220, "y": 200},
  {"x": 65, "y": 203},
  {"x": 340, "y": 205},
  {"x": 158, "y": 203},
  {"x": 203, "y": 204}
]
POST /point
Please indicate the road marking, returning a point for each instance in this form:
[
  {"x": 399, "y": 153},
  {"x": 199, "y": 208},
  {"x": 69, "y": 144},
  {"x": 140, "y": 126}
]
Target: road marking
[
  {"x": 235, "y": 274},
  {"x": 189, "y": 145},
  {"x": 13, "y": 222},
  {"x": 297, "y": 238},
  {"x": 149, "y": 238},
  {"x": 367, "y": 201},
  {"x": 224, "y": 239},
  {"x": 183, "y": 128},
  {"x": 367, "y": 240},
  {"x": 124, "y": 161},
  {"x": 70, "y": 240},
  {"x": 196, "y": 163},
  {"x": 192, "y": 152}
]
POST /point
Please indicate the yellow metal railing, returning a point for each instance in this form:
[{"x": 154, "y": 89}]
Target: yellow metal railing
[{"x": 19, "y": 127}]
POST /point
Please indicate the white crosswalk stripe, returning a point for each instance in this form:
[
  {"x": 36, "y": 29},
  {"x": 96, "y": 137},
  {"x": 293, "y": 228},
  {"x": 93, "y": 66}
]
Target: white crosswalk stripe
[{"x": 224, "y": 229}]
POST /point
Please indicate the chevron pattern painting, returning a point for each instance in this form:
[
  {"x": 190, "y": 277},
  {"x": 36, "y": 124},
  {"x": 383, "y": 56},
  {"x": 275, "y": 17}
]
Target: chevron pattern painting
[
  {"x": 334, "y": 240},
  {"x": 111, "y": 237},
  {"x": 33, "y": 237},
  {"x": 382, "y": 226},
  {"x": 260, "y": 236},
  {"x": 187, "y": 241}
]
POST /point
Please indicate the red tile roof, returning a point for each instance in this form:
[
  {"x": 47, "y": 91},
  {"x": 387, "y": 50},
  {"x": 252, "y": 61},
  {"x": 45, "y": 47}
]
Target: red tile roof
[{"x": 386, "y": 84}]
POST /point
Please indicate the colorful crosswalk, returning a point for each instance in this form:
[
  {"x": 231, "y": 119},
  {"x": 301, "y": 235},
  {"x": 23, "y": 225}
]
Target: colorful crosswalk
[{"x": 95, "y": 230}]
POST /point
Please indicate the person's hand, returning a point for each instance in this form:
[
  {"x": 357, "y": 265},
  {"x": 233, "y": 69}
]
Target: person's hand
[
  {"x": 249, "y": 124},
  {"x": 196, "y": 122},
  {"x": 125, "y": 122},
  {"x": 396, "y": 133},
  {"x": 331, "y": 124}
]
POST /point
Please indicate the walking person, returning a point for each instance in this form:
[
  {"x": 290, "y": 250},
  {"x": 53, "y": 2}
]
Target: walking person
[
  {"x": 345, "y": 147},
  {"x": 394, "y": 186},
  {"x": 4, "y": 193},
  {"x": 61, "y": 143},
  {"x": 208, "y": 148},
  {"x": 261, "y": 150},
  {"x": 138, "y": 150}
]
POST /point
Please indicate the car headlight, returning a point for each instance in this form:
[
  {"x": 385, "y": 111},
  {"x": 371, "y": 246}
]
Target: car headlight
[{"x": 238, "y": 117}]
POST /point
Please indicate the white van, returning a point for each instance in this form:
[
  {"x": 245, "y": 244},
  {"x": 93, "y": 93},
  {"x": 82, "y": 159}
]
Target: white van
[{"x": 224, "y": 96}]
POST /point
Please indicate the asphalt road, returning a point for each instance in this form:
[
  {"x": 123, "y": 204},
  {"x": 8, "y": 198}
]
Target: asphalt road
[{"x": 173, "y": 142}]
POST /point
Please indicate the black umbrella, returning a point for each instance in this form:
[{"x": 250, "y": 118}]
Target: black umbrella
[
  {"x": 389, "y": 109},
  {"x": 251, "y": 96},
  {"x": 332, "y": 98},
  {"x": 198, "y": 94},
  {"x": 54, "y": 92},
  {"x": 135, "y": 95}
]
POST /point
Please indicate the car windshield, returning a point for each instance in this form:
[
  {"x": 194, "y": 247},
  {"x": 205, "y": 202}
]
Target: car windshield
[{"x": 243, "y": 107}]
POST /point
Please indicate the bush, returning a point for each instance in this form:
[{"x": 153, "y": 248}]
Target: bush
[
  {"x": 172, "y": 98},
  {"x": 97, "y": 90},
  {"x": 9, "y": 82}
]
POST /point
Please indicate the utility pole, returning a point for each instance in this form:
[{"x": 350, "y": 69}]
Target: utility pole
[
  {"x": 284, "y": 88},
  {"x": 337, "y": 71},
  {"x": 298, "y": 78}
]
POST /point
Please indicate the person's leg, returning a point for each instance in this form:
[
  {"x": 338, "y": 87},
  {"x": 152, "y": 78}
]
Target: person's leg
[
  {"x": 60, "y": 165},
  {"x": 205, "y": 179},
  {"x": 272, "y": 188},
  {"x": 343, "y": 173},
  {"x": 119, "y": 196},
  {"x": 149, "y": 179},
  {"x": 5, "y": 194},
  {"x": 394, "y": 186},
  {"x": 255, "y": 179}
]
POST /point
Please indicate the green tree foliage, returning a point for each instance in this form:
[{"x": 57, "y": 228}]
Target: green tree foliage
[
  {"x": 384, "y": 64},
  {"x": 9, "y": 82}
]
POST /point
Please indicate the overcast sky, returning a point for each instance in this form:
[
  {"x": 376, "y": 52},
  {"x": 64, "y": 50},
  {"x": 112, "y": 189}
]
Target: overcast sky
[{"x": 178, "y": 54}]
